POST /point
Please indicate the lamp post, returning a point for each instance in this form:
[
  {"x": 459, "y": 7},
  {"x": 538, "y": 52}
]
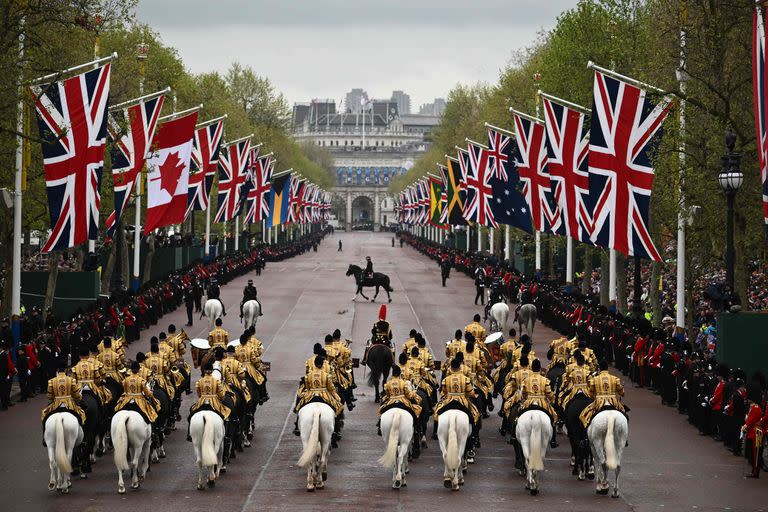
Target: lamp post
[{"x": 730, "y": 179}]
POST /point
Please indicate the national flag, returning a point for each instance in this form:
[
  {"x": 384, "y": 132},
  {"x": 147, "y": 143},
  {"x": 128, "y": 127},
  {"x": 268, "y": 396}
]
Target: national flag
[
  {"x": 454, "y": 194},
  {"x": 233, "y": 167},
  {"x": 257, "y": 202},
  {"x": 509, "y": 206},
  {"x": 567, "y": 149},
  {"x": 308, "y": 192},
  {"x": 760, "y": 85},
  {"x": 168, "y": 172},
  {"x": 479, "y": 192},
  {"x": 278, "y": 200},
  {"x": 295, "y": 200},
  {"x": 624, "y": 128},
  {"x": 532, "y": 169},
  {"x": 72, "y": 119},
  {"x": 248, "y": 184},
  {"x": 423, "y": 201},
  {"x": 130, "y": 136},
  {"x": 205, "y": 158},
  {"x": 435, "y": 201}
]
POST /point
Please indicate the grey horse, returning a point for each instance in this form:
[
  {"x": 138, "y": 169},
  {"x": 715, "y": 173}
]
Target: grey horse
[{"x": 526, "y": 316}]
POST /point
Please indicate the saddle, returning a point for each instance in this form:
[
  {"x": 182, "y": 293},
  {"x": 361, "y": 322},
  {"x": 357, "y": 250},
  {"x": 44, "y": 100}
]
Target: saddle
[
  {"x": 63, "y": 409},
  {"x": 131, "y": 406}
]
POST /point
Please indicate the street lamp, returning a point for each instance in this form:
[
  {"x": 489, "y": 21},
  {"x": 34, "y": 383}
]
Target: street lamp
[{"x": 730, "y": 179}]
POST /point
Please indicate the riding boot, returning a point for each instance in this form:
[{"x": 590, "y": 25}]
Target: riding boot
[
  {"x": 553, "y": 443},
  {"x": 503, "y": 427},
  {"x": 296, "y": 431},
  {"x": 434, "y": 429},
  {"x": 378, "y": 427}
]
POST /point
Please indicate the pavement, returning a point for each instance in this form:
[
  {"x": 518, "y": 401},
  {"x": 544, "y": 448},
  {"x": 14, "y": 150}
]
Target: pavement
[{"x": 667, "y": 465}]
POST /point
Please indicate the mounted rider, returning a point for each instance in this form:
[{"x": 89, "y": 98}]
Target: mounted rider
[
  {"x": 317, "y": 386},
  {"x": 114, "y": 365},
  {"x": 495, "y": 295},
  {"x": 250, "y": 293},
  {"x": 137, "y": 396},
  {"x": 607, "y": 392},
  {"x": 210, "y": 396},
  {"x": 64, "y": 394},
  {"x": 536, "y": 393},
  {"x": 457, "y": 392},
  {"x": 337, "y": 357},
  {"x": 249, "y": 354},
  {"x": 89, "y": 373},
  {"x": 575, "y": 380},
  {"x": 218, "y": 337},
  {"x": 214, "y": 293},
  {"x": 398, "y": 392},
  {"x": 382, "y": 330},
  {"x": 476, "y": 329},
  {"x": 368, "y": 272}
]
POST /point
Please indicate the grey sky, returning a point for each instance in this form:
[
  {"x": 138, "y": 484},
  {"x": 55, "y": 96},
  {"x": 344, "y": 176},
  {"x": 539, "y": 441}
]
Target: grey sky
[{"x": 324, "y": 48}]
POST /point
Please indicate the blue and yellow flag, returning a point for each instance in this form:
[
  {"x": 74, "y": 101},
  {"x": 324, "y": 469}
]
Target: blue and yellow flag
[{"x": 279, "y": 196}]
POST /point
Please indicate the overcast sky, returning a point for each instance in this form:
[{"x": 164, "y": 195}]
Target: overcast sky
[{"x": 324, "y": 48}]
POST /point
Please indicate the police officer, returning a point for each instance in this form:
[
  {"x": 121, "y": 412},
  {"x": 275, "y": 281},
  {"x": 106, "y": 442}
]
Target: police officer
[
  {"x": 189, "y": 302},
  {"x": 214, "y": 293},
  {"x": 368, "y": 272},
  {"x": 250, "y": 293}
]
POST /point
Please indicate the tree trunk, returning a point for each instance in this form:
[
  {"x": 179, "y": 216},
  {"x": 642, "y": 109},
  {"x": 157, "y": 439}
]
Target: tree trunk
[
  {"x": 621, "y": 283},
  {"x": 148, "y": 262},
  {"x": 604, "y": 264},
  {"x": 654, "y": 294},
  {"x": 53, "y": 274}
]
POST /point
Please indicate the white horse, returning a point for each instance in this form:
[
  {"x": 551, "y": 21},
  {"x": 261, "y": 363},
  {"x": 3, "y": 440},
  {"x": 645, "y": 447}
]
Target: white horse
[
  {"x": 608, "y": 432},
  {"x": 207, "y": 431},
  {"x": 62, "y": 434},
  {"x": 316, "y": 426},
  {"x": 453, "y": 430},
  {"x": 131, "y": 433},
  {"x": 534, "y": 431},
  {"x": 499, "y": 314},
  {"x": 212, "y": 310},
  {"x": 526, "y": 317},
  {"x": 397, "y": 430},
  {"x": 251, "y": 312}
]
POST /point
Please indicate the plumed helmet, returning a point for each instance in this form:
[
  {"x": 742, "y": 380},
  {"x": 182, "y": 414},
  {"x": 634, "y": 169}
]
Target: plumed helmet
[{"x": 383, "y": 312}]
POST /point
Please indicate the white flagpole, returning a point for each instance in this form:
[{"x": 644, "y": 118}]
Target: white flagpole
[
  {"x": 479, "y": 238},
  {"x": 682, "y": 78},
  {"x": 469, "y": 236},
  {"x": 141, "y": 56},
  {"x": 207, "y": 249},
  {"x": 536, "y": 78},
  {"x": 237, "y": 233},
  {"x": 506, "y": 242},
  {"x": 16, "y": 271},
  {"x": 612, "y": 277},
  {"x": 263, "y": 231},
  {"x": 491, "y": 244},
  {"x": 569, "y": 261}
]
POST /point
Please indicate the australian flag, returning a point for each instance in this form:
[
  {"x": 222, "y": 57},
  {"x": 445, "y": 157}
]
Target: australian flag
[{"x": 508, "y": 205}]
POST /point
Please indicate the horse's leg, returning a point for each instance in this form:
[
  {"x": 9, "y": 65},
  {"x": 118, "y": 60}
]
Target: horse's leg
[
  {"x": 616, "y": 482},
  {"x": 54, "y": 468},
  {"x": 375, "y": 294},
  {"x": 310, "y": 478}
]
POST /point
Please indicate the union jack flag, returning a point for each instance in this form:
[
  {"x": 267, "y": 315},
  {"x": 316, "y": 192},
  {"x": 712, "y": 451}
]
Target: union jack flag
[
  {"x": 257, "y": 202},
  {"x": 567, "y": 149},
  {"x": 423, "y": 189},
  {"x": 478, "y": 206},
  {"x": 623, "y": 130},
  {"x": 72, "y": 118},
  {"x": 129, "y": 149},
  {"x": 233, "y": 166},
  {"x": 306, "y": 214},
  {"x": 206, "y": 147},
  {"x": 295, "y": 199},
  {"x": 759, "y": 83},
  {"x": 317, "y": 214},
  {"x": 532, "y": 169}
]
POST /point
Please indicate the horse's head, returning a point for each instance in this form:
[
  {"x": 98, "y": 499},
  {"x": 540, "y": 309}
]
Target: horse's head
[{"x": 353, "y": 270}]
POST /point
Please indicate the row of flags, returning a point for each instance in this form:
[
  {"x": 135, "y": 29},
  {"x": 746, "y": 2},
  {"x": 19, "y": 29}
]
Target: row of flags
[
  {"x": 583, "y": 174},
  {"x": 182, "y": 160}
]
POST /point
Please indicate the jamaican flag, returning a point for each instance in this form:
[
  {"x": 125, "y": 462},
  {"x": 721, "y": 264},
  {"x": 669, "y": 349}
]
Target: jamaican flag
[
  {"x": 436, "y": 201},
  {"x": 454, "y": 195}
]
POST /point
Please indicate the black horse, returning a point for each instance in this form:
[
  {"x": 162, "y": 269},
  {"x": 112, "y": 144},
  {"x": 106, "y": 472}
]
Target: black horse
[
  {"x": 378, "y": 280},
  {"x": 581, "y": 455},
  {"x": 379, "y": 360}
]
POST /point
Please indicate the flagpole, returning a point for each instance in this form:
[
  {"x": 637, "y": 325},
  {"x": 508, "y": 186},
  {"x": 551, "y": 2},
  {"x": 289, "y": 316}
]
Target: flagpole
[
  {"x": 536, "y": 78},
  {"x": 17, "y": 193},
  {"x": 141, "y": 56},
  {"x": 135, "y": 101},
  {"x": 568, "y": 261},
  {"x": 96, "y": 62},
  {"x": 566, "y": 103},
  {"x": 210, "y": 121},
  {"x": 236, "y": 232},
  {"x": 506, "y": 242},
  {"x": 682, "y": 78},
  {"x": 207, "y": 249},
  {"x": 491, "y": 244},
  {"x": 624, "y": 78},
  {"x": 176, "y": 115}
]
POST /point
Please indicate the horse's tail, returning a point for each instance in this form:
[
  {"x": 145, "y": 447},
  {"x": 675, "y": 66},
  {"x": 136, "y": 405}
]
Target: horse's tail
[
  {"x": 312, "y": 447},
  {"x": 387, "y": 286},
  {"x": 531, "y": 323},
  {"x": 209, "y": 457},
  {"x": 120, "y": 442},
  {"x": 610, "y": 445},
  {"x": 453, "y": 458},
  {"x": 60, "y": 451},
  {"x": 388, "y": 459},
  {"x": 376, "y": 366},
  {"x": 534, "y": 446}
]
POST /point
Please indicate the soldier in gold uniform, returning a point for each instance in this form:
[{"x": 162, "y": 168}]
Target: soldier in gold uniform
[
  {"x": 250, "y": 357},
  {"x": 410, "y": 342},
  {"x": 575, "y": 380},
  {"x": 137, "y": 396},
  {"x": 606, "y": 391},
  {"x": 336, "y": 358},
  {"x": 210, "y": 396},
  {"x": 399, "y": 393},
  {"x": 511, "y": 395},
  {"x": 559, "y": 352},
  {"x": 160, "y": 368},
  {"x": 114, "y": 366},
  {"x": 317, "y": 386},
  {"x": 452, "y": 348},
  {"x": 89, "y": 373},
  {"x": 117, "y": 344},
  {"x": 536, "y": 392},
  {"x": 64, "y": 394},
  {"x": 476, "y": 329},
  {"x": 457, "y": 392},
  {"x": 218, "y": 337},
  {"x": 233, "y": 374}
]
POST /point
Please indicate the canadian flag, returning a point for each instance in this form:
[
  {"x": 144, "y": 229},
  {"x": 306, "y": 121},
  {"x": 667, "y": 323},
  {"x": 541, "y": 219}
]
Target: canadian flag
[{"x": 168, "y": 172}]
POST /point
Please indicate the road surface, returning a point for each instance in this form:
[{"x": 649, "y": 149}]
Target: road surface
[{"x": 667, "y": 466}]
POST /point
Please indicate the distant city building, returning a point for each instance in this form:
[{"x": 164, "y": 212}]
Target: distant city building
[
  {"x": 371, "y": 146},
  {"x": 403, "y": 102},
  {"x": 436, "y": 108},
  {"x": 353, "y": 102}
]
